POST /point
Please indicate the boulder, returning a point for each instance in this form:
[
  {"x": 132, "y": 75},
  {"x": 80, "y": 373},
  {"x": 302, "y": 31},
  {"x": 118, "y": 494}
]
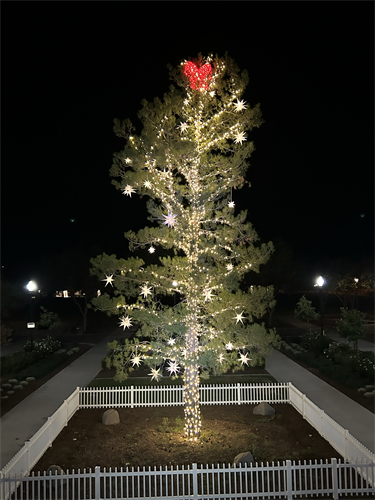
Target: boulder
[
  {"x": 264, "y": 409},
  {"x": 111, "y": 417},
  {"x": 55, "y": 470},
  {"x": 246, "y": 457}
]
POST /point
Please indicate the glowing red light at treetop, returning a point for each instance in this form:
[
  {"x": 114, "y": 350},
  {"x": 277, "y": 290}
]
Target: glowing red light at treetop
[{"x": 198, "y": 76}]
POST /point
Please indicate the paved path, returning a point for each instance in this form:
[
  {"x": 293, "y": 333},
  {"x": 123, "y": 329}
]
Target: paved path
[
  {"x": 24, "y": 420},
  {"x": 359, "y": 421}
]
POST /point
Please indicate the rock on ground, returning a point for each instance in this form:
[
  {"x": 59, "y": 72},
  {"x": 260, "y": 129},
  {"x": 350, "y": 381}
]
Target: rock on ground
[
  {"x": 110, "y": 417},
  {"x": 243, "y": 458},
  {"x": 264, "y": 409}
]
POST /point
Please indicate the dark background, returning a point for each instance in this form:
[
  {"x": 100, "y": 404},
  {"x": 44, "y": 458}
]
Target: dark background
[{"x": 68, "y": 69}]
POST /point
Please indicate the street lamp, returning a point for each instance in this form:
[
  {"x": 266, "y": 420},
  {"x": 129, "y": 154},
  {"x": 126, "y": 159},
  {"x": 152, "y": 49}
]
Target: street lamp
[
  {"x": 319, "y": 283},
  {"x": 32, "y": 287}
]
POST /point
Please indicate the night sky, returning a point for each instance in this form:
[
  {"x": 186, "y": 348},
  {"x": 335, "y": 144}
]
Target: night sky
[{"x": 70, "y": 68}]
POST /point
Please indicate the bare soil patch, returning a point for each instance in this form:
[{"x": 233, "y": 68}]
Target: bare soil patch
[{"x": 155, "y": 436}]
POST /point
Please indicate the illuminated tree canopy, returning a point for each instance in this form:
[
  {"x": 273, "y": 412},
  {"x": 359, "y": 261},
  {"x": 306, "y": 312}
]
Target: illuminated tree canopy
[{"x": 189, "y": 157}]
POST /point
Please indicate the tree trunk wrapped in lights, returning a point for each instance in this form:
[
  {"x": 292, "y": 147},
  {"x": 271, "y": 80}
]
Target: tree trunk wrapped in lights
[{"x": 188, "y": 158}]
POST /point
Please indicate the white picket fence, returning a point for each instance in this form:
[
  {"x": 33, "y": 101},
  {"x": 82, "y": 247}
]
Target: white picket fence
[
  {"x": 22, "y": 463},
  {"x": 224, "y": 394},
  {"x": 287, "y": 480}
]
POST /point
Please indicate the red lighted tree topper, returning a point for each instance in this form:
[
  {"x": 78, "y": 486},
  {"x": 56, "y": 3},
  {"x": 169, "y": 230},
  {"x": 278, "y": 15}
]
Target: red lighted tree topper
[{"x": 198, "y": 77}]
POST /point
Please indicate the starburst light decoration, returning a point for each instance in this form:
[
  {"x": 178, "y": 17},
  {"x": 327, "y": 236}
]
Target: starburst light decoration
[
  {"x": 184, "y": 126},
  {"x": 109, "y": 280},
  {"x": 151, "y": 249},
  {"x": 239, "y": 317},
  {"x": 136, "y": 360},
  {"x": 171, "y": 341},
  {"x": 126, "y": 322},
  {"x": 231, "y": 204},
  {"x": 173, "y": 368},
  {"x": 221, "y": 358},
  {"x": 230, "y": 267},
  {"x": 155, "y": 374},
  {"x": 240, "y": 137},
  {"x": 145, "y": 290},
  {"x": 239, "y": 105},
  {"x": 147, "y": 184},
  {"x": 244, "y": 359},
  {"x": 169, "y": 219},
  {"x": 127, "y": 161},
  {"x": 207, "y": 292},
  {"x": 229, "y": 346},
  {"x": 128, "y": 190}
]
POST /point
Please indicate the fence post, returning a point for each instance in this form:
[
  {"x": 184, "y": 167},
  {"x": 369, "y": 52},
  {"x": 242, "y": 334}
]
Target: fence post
[
  {"x": 195, "y": 482},
  {"x": 289, "y": 486},
  {"x": 50, "y": 440},
  {"x": 346, "y": 434},
  {"x": 97, "y": 482},
  {"x": 239, "y": 393},
  {"x": 335, "y": 491},
  {"x": 132, "y": 396}
]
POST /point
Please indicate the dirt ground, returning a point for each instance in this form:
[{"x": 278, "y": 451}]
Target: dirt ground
[{"x": 155, "y": 436}]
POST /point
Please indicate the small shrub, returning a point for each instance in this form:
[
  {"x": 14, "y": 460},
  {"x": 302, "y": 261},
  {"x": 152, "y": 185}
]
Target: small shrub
[
  {"x": 75, "y": 349},
  {"x": 60, "y": 351},
  {"x": 69, "y": 353},
  {"x": 7, "y": 385},
  {"x": 19, "y": 386},
  {"x": 4, "y": 397},
  {"x": 17, "y": 361},
  {"x": 362, "y": 389},
  {"x": 43, "y": 347},
  {"x": 13, "y": 381},
  {"x": 30, "y": 379},
  {"x": 10, "y": 392},
  {"x": 369, "y": 394},
  {"x": 369, "y": 387},
  {"x": 24, "y": 382}
]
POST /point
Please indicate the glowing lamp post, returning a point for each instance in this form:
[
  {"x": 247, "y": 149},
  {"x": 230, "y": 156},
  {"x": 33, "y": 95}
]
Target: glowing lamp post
[
  {"x": 319, "y": 283},
  {"x": 32, "y": 287}
]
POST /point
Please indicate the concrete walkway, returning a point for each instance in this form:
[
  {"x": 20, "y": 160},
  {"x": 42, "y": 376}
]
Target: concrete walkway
[
  {"x": 23, "y": 421},
  {"x": 359, "y": 421}
]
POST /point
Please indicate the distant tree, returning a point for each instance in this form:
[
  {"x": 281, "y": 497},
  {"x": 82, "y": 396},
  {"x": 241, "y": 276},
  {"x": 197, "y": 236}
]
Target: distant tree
[
  {"x": 48, "y": 319},
  {"x": 347, "y": 288},
  {"x": 305, "y": 311},
  {"x": 351, "y": 326}
]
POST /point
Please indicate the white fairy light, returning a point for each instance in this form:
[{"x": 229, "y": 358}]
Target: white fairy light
[{"x": 151, "y": 249}]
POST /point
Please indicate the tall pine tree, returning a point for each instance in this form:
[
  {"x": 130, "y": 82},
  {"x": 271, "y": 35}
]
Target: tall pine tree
[{"x": 188, "y": 158}]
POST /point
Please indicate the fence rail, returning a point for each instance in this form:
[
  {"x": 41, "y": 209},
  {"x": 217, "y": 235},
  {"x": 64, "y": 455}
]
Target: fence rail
[
  {"x": 135, "y": 396},
  {"x": 339, "y": 438},
  {"x": 287, "y": 480}
]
